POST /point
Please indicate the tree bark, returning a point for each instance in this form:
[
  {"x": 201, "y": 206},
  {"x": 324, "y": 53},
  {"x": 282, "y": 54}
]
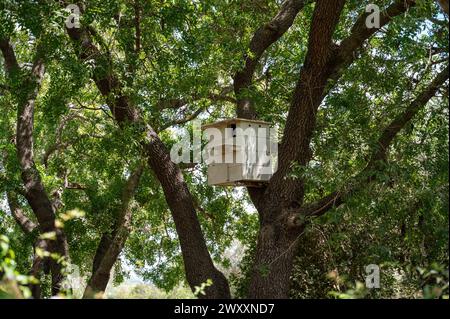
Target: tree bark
[
  {"x": 111, "y": 244},
  {"x": 444, "y": 5},
  {"x": 277, "y": 240},
  {"x": 280, "y": 204},
  {"x": 28, "y": 227},
  {"x": 34, "y": 191},
  {"x": 273, "y": 261},
  {"x": 197, "y": 260},
  {"x": 264, "y": 37},
  {"x": 26, "y": 224},
  {"x": 37, "y": 268}
]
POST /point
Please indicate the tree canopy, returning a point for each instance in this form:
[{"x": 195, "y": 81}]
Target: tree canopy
[{"x": 90, "y": 112}]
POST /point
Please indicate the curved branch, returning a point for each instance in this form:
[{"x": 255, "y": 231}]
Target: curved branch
[
  {"x": 347, "y": 51},
  {"x": 401, "y": 120},
  {"x": 379, "y": 154},
  {"x": 263, "y": 38},
  {"x": 34, "y": 190},
  {"x": 9, "y": 56},
  {"x": 27, "y": 225},
  {"x": 197, "y": 260},
  {"x": 111, "y": 244},
  {"x": 183, "y": 120},
  {"x": 214, "y": 97}
]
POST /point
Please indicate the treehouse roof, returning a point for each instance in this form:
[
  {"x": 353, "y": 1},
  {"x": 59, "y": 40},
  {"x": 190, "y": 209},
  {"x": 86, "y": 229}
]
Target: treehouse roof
[{"x": 233, "y": 121}]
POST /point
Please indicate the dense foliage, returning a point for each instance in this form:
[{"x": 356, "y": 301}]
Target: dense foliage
[{"x": 176, "y": 61}]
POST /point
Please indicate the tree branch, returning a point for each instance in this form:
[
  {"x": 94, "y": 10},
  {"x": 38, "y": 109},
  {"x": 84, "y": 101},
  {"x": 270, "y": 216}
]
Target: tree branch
[
  {"x": 347, "y": 51},
  {"x": 214, "y": 97},
  {"x": 111, "y": 244},
  {"x": 380, "y": 152},
  {"x": 34, "y": 190},
  {"x": 183, "y": 120},
  {"x": 263, "y": 38},
  {"x": 59, "y": 144},
  {"x": 401, "y": 120},
  {"x": 301, "y": 118},
  {"x": 9, "y": 56},
  {"x": 27, "y": 225},
  {"x": 197, "y": 260}
]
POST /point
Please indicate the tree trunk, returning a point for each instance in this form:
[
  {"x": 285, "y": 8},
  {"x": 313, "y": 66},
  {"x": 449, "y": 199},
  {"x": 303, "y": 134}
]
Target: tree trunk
[
  {"x": 274, "y": 259},
  {"x": 197, "y": 260},
  {"x": 111, "y": 244},
  {"x": 35, "y": 193},
  {"x": 37, "y": 268}
]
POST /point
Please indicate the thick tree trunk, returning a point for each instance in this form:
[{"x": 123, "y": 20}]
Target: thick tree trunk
[
  {"x": 99, "y": 279},
  {"x": 274, "y": 259},
  {"x": 197, "y": 260},
  {"x": 277, "y": 241},
  {"x": 277, "y": 238},
  {"x": 35, "y": 193}
]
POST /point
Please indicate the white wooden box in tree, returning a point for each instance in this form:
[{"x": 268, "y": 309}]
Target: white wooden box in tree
[{"x": 239, "y": 152}]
